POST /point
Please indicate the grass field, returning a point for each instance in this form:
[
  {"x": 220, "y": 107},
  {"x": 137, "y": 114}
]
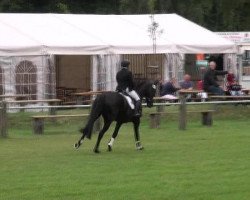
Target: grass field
[{"x": 204, "y": 163}]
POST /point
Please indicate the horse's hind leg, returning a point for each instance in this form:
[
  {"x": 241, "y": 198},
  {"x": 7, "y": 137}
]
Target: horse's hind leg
[
  {"x": 117, "y": 127},
  {"x": 138, "y": 145},
  {"x": 80, "y": 141},
  {"x": 101, "y": 133}
]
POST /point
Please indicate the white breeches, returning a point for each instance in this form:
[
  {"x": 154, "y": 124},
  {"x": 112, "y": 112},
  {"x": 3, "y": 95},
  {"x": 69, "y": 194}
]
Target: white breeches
[{"x": 133, "y": 94}]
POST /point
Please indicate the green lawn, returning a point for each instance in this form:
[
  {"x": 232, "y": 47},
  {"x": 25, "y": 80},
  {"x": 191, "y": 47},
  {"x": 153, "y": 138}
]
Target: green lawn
[{"x": 205, "y": 163}]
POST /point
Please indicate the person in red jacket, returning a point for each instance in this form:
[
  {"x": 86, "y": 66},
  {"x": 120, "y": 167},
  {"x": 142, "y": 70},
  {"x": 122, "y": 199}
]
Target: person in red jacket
[{"x": 233, "y": 87}]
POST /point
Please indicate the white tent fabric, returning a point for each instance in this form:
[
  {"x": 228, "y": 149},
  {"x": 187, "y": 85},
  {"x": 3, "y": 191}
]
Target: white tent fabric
[
  {"x": 244, "y": 47},
  {"x": 41, "y": 34},
  {"x": 13, "y": 41}
]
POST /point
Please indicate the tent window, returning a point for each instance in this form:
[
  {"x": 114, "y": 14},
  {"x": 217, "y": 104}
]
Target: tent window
[
  {"x": 26, "y": 79},
  {"x": 1, "y": 81},
  {"x": 246, "y": 63}
]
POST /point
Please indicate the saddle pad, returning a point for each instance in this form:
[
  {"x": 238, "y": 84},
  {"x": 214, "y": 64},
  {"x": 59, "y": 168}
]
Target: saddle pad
[{"x": 129, "y": 100}]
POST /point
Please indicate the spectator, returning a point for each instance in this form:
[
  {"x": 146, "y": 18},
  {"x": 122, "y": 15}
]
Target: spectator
[
  {"x": 169, "y": 89},
  {"x": 187, "y": 84},
  {"x": 210, "y": 80},
  {"x": 200, "y": 85},
  {"x": 233, "y": 87},
  {"x": 230, "y": 78}
]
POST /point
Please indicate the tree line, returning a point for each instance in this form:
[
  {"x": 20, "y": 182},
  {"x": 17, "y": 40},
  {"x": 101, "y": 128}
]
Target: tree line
[{"x": 216, "y": 15}]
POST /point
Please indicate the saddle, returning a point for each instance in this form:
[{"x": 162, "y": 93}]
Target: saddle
[{"x": 128, "y": 99}]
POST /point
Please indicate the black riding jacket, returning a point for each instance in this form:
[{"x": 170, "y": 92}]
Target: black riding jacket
[
  {"x": 124, "y": 80},
  {"x": 210, "y": 78}
]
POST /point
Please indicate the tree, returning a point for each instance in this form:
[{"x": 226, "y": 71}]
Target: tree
[{"x": 216, "y": 15}]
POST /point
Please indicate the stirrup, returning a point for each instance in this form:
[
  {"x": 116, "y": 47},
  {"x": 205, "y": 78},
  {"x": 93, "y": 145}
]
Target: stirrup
[{"x": 137, "y": 114}]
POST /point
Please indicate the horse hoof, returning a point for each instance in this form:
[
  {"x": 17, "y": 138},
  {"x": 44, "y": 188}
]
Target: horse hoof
[
  {"x": 140, "y": 148},
  {"x": 109, "y": 148},
  {"x": 76, "y": 146},
  {"x": 96, "y": 151}
]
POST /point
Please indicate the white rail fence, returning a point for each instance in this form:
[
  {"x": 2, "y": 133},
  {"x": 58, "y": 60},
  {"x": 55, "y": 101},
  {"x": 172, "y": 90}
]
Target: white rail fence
[{"x": 4, "y": 108}]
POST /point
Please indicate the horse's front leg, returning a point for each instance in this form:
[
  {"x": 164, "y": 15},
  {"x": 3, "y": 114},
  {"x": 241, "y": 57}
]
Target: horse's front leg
[
  {"x": 101, "y": 133},
  {"x": 115, "y": 133},
  {"x": 136, "y": 123}
]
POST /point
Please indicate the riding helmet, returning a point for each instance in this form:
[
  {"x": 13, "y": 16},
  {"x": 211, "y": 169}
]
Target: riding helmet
[{"x": 125, "y": 63}]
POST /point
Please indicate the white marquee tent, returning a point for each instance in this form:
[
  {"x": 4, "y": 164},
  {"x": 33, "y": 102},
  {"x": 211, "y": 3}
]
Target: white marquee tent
[
  {"x": 39, "y": 37},
  {"x": 39, "y": 34}
]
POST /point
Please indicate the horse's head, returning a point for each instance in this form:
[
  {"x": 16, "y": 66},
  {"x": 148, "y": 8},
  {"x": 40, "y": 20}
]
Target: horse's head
[
  {"x": 147, "y": 90},
  {"x": 150, "y": 93}
]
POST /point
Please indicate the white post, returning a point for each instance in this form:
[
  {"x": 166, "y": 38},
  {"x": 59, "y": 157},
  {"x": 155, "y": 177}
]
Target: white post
[
  {"x": 239, "y": 66},
  {"x": 94, "y": 65}
]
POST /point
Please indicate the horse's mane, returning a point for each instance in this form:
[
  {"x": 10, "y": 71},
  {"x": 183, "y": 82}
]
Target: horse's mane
[{"x": 140, "y": 82}]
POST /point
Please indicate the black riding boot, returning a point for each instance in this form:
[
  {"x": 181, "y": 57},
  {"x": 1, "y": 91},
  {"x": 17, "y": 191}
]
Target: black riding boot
[{"x": 137, "y": 108}]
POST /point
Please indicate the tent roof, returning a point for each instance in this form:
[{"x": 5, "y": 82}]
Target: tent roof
[{"x": 37, "y": 34}]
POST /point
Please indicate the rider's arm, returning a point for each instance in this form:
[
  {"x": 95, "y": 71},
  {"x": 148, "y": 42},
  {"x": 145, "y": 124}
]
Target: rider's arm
[{"x": 131, "y": 81}]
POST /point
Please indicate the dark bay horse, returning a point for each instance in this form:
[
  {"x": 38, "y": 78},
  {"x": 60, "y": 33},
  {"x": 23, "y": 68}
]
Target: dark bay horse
[{"x": 112, "y": 106}]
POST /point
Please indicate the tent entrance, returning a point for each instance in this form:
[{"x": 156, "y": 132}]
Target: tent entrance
[{"x": 72, "y": 75}]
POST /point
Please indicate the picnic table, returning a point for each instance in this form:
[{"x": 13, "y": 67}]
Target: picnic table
[
  {"x": 183, "y": 109},
  {"x": 245, "y": 91},
  {"x": 206, "y": 114},
  {"x": 85, "y": 97}
]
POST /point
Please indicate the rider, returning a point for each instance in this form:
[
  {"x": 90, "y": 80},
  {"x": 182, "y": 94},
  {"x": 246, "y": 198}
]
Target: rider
[{"x": 125, "y": 83}]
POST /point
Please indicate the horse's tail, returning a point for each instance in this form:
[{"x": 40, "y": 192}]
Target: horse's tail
[{"x": 95, "y": 113}]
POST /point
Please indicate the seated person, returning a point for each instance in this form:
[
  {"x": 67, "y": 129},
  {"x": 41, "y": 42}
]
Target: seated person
[
  {"x": 200, "y": 85},
  {"x": 233, "y": 87},
  {"x": 230, "y": 78},
  {"x": 202, "y": 95},
  {"x": 187, "y": 84},
  {"x": 169, "y": 89},
  {"x": 210, "y": 80}
]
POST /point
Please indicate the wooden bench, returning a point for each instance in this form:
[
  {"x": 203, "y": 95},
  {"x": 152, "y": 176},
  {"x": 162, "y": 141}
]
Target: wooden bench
[
  {"x": 38, "y": 121},
  {"x": 206, "y": 117}
]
